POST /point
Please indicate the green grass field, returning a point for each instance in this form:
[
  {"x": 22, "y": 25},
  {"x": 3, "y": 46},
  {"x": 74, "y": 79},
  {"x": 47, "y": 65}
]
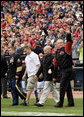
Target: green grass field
[{"x": 47, "y": 110}]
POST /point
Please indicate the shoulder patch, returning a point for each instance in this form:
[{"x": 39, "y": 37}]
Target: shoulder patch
[
  {"x": 61, "y": 52},
  {"x": 18, "y": 60},
  {"x": 12, "y": 60}
]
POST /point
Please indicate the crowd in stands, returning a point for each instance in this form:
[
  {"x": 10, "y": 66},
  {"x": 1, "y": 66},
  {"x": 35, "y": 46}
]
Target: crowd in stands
[{"x": 40, "y": 23}]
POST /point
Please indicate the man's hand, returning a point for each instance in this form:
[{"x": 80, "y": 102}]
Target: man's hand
[
  {"x": 54, "y": 80},
  {"x": 17, "y": 77},
  {"x": 6, "y": 75},
  {"x": 23, "y": 78},
  {"x": 35, "y": 77},
  {"x": 67, "y": 31},
  {"x": 49, "y": 71},
  {"x": 41, "y": 76}
]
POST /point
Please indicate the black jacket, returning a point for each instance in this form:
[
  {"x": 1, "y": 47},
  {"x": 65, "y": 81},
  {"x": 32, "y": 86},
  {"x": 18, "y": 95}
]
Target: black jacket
[
  {"x": 4, "y": 66},
  {"x": 37, "y": 50},
  {"x": 15, "y": 66},
  {"x": 63, "y": 59},
  {"x": 45, "y": 66}
]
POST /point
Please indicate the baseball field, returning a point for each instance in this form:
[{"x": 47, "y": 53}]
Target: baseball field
[{"x": 47, "y": 110}]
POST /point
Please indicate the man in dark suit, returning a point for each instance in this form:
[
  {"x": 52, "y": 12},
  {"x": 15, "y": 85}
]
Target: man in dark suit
[
  {"x": 63, "y": 61},
  {"x": 4, "y": 69}
]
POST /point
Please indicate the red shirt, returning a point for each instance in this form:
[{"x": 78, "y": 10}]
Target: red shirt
[
  {"x": 33, "y": 42},
  {"x": 54, "y": 51}
]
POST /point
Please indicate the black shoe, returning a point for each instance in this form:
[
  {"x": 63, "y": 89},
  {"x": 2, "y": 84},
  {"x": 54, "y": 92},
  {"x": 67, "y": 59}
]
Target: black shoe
[
  {"x": 38, "y": 104},
  {"x": 70, "y": 105},
  {"x": 24, "y": 103},
  {"x": 13, "y": 104},
  {"x": 58, "y": 105},
  {"x": 37, "y": 100}
]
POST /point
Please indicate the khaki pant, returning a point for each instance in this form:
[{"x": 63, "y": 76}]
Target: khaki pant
[
  {"x": 49, "y": 86},
  {"x": 31, "y": 84}
]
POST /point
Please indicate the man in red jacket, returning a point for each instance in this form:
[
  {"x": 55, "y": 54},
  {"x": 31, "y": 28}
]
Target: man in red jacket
[{"x": 63, "y": 61}]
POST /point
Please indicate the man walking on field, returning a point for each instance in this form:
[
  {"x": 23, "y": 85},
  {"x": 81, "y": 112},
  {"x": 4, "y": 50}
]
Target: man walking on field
[
  {"x": 63, "y": 60},
  {"x": 49, "y": 85},
  {"x": 32, "y": 65}
]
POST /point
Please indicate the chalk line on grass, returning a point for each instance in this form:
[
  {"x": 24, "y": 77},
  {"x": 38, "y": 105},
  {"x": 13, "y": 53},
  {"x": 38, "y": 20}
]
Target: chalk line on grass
[{"x": 34, "y": 114}]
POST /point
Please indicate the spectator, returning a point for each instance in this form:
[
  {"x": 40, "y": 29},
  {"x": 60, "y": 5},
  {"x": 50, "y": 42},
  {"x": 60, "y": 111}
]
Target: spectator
[
  {"x": 37, "y": 49},
  {"x": 80, "y": 50},
  {"x": 19, "y": 49},
  {"x": 75, "y": 54}
]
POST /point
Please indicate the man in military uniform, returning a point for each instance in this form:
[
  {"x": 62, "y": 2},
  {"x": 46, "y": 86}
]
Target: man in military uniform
[{"x": 15, "y": 75}]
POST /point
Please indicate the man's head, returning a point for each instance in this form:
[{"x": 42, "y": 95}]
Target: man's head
[
  {"x": 60, "y": 43},
  {"x": 48, "y": 42},
  {"x": 37, "y": 43},
  {"x": 47, "y": 50},
  {"x": 12, "y": 50},
  {"x": 25, "y": 42},
  {"x": 27, "y": 50},
  {"x": 41, "y": 56},
  {"x": 2, "y": 52},
  {"x": 81, "y": 42}
]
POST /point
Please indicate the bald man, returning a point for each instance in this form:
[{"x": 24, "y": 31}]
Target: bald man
[{"x": 49, "y": 85}]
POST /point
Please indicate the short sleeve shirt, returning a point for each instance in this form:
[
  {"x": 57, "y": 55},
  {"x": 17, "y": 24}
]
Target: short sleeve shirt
[{"x": 32, "y": 60}]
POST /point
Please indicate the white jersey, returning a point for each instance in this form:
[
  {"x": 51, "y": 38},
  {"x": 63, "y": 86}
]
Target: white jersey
[{"x": 32, "y": 60}]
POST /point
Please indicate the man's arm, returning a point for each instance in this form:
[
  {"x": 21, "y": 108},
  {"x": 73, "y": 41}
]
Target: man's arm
[
  {"x": 39, "y": 71},
  {"x": 38, "y": 66},
  {"x": 24, "y": 76},
  {"x": 68, "y": 46},
  {"x": 55, "y": 63},
  {"x": 18, "y": 62}
]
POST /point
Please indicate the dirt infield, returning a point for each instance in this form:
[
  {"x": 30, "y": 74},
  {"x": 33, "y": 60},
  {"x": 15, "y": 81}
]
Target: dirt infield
[{"x": 76, "y": 94}]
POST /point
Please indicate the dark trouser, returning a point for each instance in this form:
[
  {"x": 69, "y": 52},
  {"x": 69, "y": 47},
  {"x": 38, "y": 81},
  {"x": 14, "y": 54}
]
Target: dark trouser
[
  {"x": 4, "y": 86},
  {"x": 65, "y": 86},
  {"x": 16, "y": 91}
]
